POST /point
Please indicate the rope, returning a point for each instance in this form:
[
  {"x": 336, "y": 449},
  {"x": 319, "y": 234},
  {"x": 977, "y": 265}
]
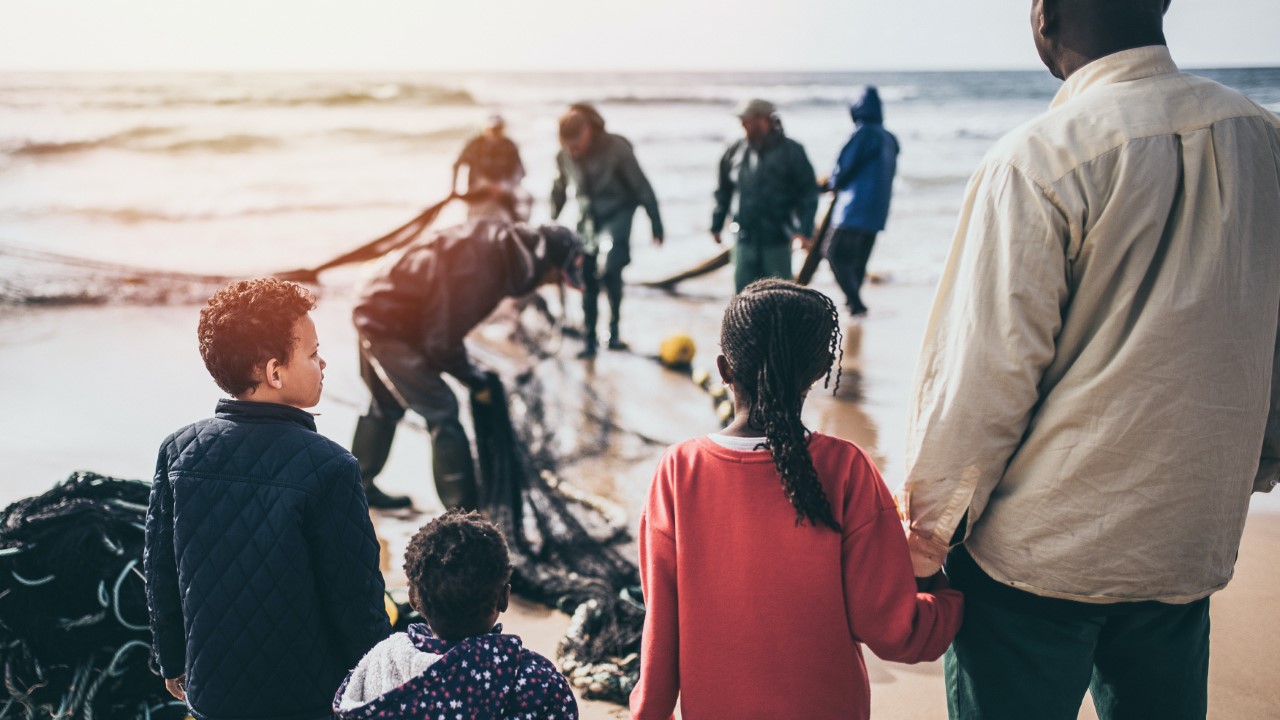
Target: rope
[{"x": 116, "y": 595}]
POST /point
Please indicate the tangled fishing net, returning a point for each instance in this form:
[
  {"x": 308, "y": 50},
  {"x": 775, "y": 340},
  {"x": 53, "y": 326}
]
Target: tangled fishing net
[
  {"x": 563, "y": 542},
  {"x": 74, "y": 635}
]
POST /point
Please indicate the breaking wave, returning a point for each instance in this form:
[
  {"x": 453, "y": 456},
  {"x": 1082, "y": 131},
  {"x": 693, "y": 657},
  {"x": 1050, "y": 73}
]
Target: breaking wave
[{"x": 134, "y": 215}]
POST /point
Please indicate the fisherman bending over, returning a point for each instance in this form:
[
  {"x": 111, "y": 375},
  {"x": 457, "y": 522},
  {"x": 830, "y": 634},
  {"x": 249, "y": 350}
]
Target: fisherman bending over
[{"x": 412, "y": 315}]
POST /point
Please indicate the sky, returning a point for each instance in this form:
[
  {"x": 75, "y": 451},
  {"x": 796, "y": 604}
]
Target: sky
[{"x": 537, "y": 35}]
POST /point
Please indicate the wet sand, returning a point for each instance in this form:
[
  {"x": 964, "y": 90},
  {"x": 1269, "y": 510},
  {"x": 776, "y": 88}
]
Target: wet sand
[{"x": 99, "y": 387}]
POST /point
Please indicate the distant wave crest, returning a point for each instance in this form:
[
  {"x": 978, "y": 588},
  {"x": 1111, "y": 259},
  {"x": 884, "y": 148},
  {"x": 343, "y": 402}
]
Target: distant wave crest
[
  {"x": 146, "y": 139},
  {"x": 786, "y": 97},
  {"x": 426, "y": 137},
  {"x": 150, "y": 139},
  {"x": 119, "y": 139},
  {"x": 386, "y": 94},
  {"x": 133, "y": 215}
]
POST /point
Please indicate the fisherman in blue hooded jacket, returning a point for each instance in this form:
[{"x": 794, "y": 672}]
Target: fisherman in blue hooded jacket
[{"x": 863, "y": 183}]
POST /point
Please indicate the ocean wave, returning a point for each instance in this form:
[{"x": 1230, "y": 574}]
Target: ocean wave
[
  {"x": 136, "y": 215},
  {"x": 452, "y": 133},
  {"x": 145, "y": 139},
  {"x": 933, "y": 181},
  {"x": 234, "y": 143},
  {"x": 385, "y": 94},
  {"x": 174, "y": 140},
  {"x": 712, "y": 101},
  {"x": 665, "y": 100},
  {"x": 785, "y": 97},
  {"x": 119, "y": 139}
]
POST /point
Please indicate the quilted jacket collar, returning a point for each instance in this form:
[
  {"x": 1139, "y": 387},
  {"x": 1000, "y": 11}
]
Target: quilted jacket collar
[{"x": 263, "y": 412}]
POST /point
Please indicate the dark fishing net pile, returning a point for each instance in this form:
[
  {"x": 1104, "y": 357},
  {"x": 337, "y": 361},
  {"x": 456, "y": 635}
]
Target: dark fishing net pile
[
  {"x": 74, "y": 635},
  {"x": 564, "y": 542}
]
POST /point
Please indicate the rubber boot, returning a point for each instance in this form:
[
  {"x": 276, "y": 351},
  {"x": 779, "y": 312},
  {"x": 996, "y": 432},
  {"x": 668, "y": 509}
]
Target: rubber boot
[
  {"x": 613, "y": 288},
  {"x": 372, "y": 446},
  {"x": 615, "y": 342},
  {"x": 455, "y": 472}
]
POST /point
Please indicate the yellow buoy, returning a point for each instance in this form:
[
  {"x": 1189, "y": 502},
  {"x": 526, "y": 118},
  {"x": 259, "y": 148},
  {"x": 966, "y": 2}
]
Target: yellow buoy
[
  {"x": 676, "y": 351},
  {"x": 725, "y": 412},
  {"x": 701, "y": 377},
  {"x": 393, "y": 610}
]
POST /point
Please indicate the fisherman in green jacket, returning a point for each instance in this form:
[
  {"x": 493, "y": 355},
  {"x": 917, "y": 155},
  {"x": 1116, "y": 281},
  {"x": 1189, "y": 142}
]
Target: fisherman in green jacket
[
  {"x": 608, "y": 185},
  {"x": 777, "y": 196}
]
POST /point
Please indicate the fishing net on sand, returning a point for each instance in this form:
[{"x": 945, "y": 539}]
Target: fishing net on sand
[
  {"x": 74, "y": 635},
  {"x": 564, "y": 542},
  {"x": 29, "y": 276},
  {"x": 36, "y": 277}
]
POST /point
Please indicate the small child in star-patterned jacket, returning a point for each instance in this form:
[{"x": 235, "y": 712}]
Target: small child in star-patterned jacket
[{"x": 460, "y": 665}]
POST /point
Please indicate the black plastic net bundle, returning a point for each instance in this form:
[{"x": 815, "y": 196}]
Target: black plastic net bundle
[
  {"x": 563, "y": 543},
  {"x": 74, "y": 635}
]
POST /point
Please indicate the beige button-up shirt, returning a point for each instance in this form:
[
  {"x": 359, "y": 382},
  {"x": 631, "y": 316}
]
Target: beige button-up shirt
[{"x": 1097, "y": 390}]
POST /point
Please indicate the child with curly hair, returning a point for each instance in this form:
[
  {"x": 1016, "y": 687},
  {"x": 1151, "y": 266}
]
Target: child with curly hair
[
  {"x": 261, "y": 562},
  {"x": 770, "y": 554},
  {"x": 460, "y": 663}
]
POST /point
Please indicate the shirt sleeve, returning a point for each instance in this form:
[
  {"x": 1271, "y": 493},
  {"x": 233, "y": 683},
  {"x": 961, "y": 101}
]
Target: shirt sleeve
[
  {"x": 724, "y": 189},
  {"x": 559, "y": 187},
  {"x": 164, "y": 601},
  {"x": 518, "y": 174},
  {"x": 345, "y": 556},
  {"x": 654, "y": 696},
  {"x": 467, "y": 156},
  {"x": 806, "y": 184},
  {"x": 1269, "y": 465},
  {"x": 884, "y": 610},
  {"x": 990, "y": 336},
  {"x": 635, "y": 179},
  {"x": 861, "y": 147}
]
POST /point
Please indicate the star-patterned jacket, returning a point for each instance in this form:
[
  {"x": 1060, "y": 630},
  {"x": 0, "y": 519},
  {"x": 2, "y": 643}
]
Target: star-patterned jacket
[{"x": 417, "y": 676}]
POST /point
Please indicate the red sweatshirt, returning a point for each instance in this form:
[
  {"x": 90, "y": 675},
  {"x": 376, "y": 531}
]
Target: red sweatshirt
[{"x": 750, "y": 616}]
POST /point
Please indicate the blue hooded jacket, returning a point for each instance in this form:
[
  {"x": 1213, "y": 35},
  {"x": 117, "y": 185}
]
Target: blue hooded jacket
[{"x": 863, "y": 175}]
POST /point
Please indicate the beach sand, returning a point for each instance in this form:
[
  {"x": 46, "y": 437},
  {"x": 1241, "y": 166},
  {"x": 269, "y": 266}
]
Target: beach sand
[{"x": 98, "y": 388}]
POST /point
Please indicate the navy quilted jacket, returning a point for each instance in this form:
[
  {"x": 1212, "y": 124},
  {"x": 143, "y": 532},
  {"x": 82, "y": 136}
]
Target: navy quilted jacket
[{"x": 261, "y": 564}]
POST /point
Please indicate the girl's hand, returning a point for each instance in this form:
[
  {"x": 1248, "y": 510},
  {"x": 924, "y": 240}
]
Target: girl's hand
[{"x": 933, "y": 583}]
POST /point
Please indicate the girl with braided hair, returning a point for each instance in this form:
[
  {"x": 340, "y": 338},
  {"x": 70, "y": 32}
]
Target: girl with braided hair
[{"x": 770, "y": 554}]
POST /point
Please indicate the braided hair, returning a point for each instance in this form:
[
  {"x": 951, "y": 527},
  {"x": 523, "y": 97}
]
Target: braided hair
[{"x": 779, "y": 338}]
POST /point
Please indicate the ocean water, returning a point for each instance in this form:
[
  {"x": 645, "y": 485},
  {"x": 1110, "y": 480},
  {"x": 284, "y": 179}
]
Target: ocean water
[{"x": 248, "y": 173}]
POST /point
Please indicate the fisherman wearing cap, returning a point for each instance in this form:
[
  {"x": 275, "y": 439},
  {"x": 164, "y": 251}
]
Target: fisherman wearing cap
[
  {"x": 412, "y": 315},
  {"x": 609, "y": 185},
  {"x": 494, "y": 168},
  {"x": 777, "y": 195}
]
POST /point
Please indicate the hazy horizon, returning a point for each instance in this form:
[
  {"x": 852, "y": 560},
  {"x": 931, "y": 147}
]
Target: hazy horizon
[{"x": 388, "y": 36}]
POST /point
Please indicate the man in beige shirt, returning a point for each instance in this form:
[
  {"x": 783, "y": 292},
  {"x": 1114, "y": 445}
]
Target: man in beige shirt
[{"x": 1097, "y": 394}]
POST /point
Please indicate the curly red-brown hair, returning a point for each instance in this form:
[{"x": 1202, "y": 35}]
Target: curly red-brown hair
[{"x": 247, "y": 323}]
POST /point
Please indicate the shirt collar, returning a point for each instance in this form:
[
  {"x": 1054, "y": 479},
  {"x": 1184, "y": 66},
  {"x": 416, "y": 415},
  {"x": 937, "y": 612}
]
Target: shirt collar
[
  {"x": 252, "y": 411},
  {"x": 424, "y": 639},
  {"x": 1123, "y": 66}
]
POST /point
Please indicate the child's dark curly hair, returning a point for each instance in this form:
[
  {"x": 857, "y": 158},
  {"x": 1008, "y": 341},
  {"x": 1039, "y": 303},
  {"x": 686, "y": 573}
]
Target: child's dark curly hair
[
  {"x": 459, "y": 565},
  {"x": 779, "y": 338},
  {"x": 247, "y": 323}
]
